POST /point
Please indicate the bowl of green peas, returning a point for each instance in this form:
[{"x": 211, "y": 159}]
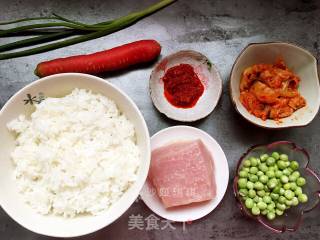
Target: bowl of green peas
[{"x": 275, "y": 185}]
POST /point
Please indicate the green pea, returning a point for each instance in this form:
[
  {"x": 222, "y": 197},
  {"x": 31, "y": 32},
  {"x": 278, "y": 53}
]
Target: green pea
[
  {"x": 281, "y": 206},
  {"x": 242, "y": 182},
  {"x": 279, "y": 212},
  {"x": 271, "y": 216},
  {"x": 281, "y": 164},
  {"x": 264, "y": 179},
  {"x": 262, "y": 205},
  {"x": 260, "y": 173},
  {"x": 276, "y": 189},
  {"x": 301, "y": 181},
  {"x": 243, "y": 174},
  {"x": 278, "y": 173},
  {"x": 274, "y": 196},
  {"x": 253, "y": 170},
  {"x": 284, "y": 179},
  {"x": 254, "y": 161},
  {"x": 284, "y": 157},
  {"x": 249, "y": 203},
  {"x": 261, "y": 193},
  {"x": 292, "y": 178},
  {"x": 266, "y": 189},
  {"x": 298, "y": 191},
  {"x": 282, "y": 199},
  {"x": 287, "y": 186},
  {"x": 267, "y": 199},
  {"x": 270, "y": 174},
  {"x": 250, "y": 185},
  {"x": 247, "y": 163},
  {"x": 296, "y": 174},
  {"x": 264, "y": 157},
  {"x": 264, "y": 212},
  {"x": 295, "y": 201},
  {"x": 272, "y": 183},
  {"x": 289, "y": 194},
  {"x": 286, "y": 172},
  {"x": 258, "y": 185},
  {"x": 287, "y": 164},
  {"x": 255, "y": 210},
  {"x": 275, "y": 155},
  {"x": 293, "y": 186},
  {"x": 282, "y": 191},
  {"x": 271, "y": 161},
  {"x": 243, "y": 192},
  {"x": 272, "y": 168},
  {"x": 253, "y": 178},
  {"x": 303, "y": 198},
  {"x": 263, "y": 167},
  {"x": 256, "y": 199},
  {"x": 294, "y": 165},
  {"x": 252, "y": 193},
  {"x": 289, "y": 203},
  {"x": 271, "y": 206}
]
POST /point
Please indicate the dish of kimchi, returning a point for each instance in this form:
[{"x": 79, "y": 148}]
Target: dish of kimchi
[{"x": 270, "y": 91}]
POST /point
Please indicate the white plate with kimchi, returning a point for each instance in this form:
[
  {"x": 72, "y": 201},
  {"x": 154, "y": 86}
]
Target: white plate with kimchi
[{"x": 275, "y": 85}]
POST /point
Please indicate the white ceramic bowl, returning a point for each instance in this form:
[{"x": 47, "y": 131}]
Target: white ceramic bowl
[
  {"x": 208, "y": 75},
  {"x": 299, "y": 60},
  {"x": 12, "y": 202}
]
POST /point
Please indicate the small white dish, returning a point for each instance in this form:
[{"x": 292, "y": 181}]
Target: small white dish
[
  {"x": 13, "y": 203},
  {"x": 299, "y": 60},
  {"x": 195, "y": 211},
  {"x": 208, "y": 75}
]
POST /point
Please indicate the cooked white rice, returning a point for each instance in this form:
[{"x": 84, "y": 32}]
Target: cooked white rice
[{"x": 77, "y": 154}]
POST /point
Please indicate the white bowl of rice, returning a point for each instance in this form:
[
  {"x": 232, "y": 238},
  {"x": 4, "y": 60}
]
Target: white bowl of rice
[{"x": 75, "y": 153}]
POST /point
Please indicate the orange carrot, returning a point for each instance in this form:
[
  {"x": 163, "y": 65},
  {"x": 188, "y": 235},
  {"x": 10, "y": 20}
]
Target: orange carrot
[{"x": 109, "y": 60}]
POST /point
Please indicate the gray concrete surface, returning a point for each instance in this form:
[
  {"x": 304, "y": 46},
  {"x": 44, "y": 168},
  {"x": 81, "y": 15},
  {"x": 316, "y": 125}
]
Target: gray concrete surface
[{"x": 219, "y": 29}]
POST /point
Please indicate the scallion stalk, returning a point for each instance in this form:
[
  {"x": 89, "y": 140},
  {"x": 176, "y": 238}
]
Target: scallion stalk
[{"x": 92, "y": 31}]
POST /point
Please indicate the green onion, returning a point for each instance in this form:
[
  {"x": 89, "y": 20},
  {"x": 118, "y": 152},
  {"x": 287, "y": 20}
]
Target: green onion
[
  {"x": 35, "y": 40},
  {"x": 89, "y": 31},
  {"x": 42, "y": 25},
  {"x": 27, "y": 20},
  {"x": 70, "y": 21}
]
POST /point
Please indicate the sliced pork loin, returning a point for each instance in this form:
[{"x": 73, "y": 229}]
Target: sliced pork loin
[{"x": 183, "y": 173}]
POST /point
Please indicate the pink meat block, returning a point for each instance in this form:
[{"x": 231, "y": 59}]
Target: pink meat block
[{"x": 183, "y": 173}]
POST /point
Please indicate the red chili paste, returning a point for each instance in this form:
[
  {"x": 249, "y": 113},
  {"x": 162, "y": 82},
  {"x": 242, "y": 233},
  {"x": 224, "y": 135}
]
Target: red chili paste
[{"x": 182, "y": 86}]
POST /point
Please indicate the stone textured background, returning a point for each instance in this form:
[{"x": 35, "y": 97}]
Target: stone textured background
[{"x": 220, "y": 29}]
